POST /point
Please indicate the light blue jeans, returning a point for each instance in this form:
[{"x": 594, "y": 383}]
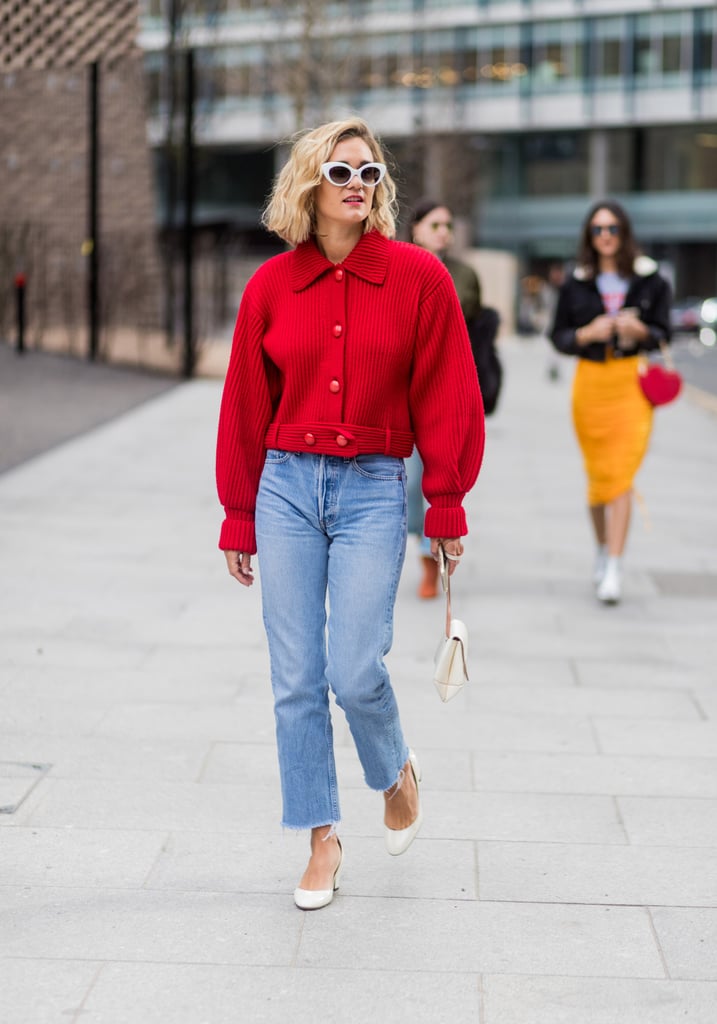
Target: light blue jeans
[{"x": 335, "y": 528}]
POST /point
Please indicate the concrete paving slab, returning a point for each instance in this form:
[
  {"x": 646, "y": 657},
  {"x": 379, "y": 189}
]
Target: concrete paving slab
[
  {"x": 688, "y": 939},
  {"x": 616, "y": 875},
  {"x": 508, "y": 999},
  {"x": 80, "y": 686},
  {"x": 706, "y": 702},
  {"x": 20, "y": 714},
  {"x": 215, "y": 661},
  {"x": 151, "y": 926},
  {"x": 621, "y": 775},
  {"x": 88, "y": 757},
  {"x": 515, "y": 816},
  {"x": 664, "y": 822},
  {"x": 695, "y": 651},
  {"x": 202, "y": 720},
  {"x": 484, "y": 937},
  {"x": 534, "y": 699},
  {"x": 71, "y": 857},
  {"x": 575, "y": 644},
  {"x": 657, "y": 737},
  {"x": 195, "y": 994},
  {"x": 37, "y": 646},
  {"x": 18, "y": 779},
  {"x": 647, "y": 674},
  {"x": 154, "y": 804},
  {"x": 44, "y": 991}
]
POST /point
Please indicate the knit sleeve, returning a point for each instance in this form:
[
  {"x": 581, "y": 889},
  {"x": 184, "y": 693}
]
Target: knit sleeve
[
  {"x": 244, "y": 416},
  {"x": 446, "y": 410},
  {"x": 562, "y": 331},
  {"x": 657, "y": 317}
]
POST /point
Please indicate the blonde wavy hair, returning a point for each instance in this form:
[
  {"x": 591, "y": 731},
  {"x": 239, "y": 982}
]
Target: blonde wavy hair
[{"x": 290, "y": 213}]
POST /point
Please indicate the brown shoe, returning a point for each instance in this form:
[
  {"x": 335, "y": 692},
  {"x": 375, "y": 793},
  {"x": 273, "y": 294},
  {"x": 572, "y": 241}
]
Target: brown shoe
[{"x": 428, "y": 586}]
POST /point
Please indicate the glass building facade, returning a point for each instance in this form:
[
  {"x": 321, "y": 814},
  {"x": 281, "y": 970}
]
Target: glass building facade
[{"x": 519, "y": 112}]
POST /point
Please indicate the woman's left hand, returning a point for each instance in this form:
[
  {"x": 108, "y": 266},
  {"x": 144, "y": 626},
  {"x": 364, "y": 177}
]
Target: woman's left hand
[
  {"x": 239, "y": 566},
  {"x": 452, "y": 546},
  {"x": 628, "y": 325}
]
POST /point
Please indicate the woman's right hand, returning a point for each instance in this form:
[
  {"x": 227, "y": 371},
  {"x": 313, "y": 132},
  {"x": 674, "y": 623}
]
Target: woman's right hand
[
  {"x": 239, "y": 566},
  {"x": 602, "y": 328}
]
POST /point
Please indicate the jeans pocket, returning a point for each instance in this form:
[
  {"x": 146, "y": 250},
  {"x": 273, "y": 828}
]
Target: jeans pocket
[
  {"x": 275, "y": 456},
  {"x": 379, "y": 467}
]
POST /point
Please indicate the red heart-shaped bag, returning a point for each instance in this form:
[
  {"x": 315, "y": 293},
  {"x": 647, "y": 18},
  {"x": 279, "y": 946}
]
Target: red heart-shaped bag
[{"x": 660, "y": 386}]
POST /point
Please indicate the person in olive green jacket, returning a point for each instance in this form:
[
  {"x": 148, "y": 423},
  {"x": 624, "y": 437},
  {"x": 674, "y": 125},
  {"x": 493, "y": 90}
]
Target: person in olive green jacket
[{"x": 432, "y": 229}]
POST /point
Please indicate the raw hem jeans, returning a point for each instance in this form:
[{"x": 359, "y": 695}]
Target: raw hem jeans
[{"x": 333, "y": 528}]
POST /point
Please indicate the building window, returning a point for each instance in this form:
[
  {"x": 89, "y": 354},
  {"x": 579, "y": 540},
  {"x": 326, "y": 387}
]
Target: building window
[
  {"x": 401, "y": 64},
  {"x": 557, "y": 56},
  {"x": 538, "y": 165},
  {"x": 450, "y": 58},
  {"x": 706, "y": 45},
  {"x": 681, "y": 158},
  {"x": 663, "y": 50},
  {"x": 499, "y": 63},
  {"x": 610, "y": 52},
  {"x": 555, "y": 164}
]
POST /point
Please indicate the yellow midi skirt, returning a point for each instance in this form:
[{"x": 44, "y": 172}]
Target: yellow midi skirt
[{"x": 613, "y": 421}]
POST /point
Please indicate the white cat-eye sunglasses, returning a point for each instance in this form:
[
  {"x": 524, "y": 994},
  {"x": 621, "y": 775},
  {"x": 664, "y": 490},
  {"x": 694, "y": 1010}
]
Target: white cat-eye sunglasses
[{"x": 341, "y": 174}]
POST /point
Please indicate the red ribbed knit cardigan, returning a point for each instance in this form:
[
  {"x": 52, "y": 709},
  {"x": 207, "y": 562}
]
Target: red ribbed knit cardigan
[{"x": 362, "y": 356}]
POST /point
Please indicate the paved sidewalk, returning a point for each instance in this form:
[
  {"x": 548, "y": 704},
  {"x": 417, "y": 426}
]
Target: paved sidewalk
[
  {"x": 46, "y": 399},
  {"x": 566, "y": 872}
]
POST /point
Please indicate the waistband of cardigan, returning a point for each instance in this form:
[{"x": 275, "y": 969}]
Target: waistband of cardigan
[{"x": 345, "y": 439}]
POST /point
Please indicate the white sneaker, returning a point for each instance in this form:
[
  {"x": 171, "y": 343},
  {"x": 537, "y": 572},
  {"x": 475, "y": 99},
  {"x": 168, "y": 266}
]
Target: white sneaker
[
  {"x": 600, "y": 565},
  {"x": 610, "y": 589}
]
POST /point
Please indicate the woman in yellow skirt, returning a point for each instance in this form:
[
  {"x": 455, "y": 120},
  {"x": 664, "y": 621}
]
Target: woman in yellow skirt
[{"x": 613, "y": 308}]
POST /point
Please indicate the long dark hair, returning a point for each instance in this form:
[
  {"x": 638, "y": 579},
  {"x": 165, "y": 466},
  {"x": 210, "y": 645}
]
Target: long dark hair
[{"x": 628, "y": 248}]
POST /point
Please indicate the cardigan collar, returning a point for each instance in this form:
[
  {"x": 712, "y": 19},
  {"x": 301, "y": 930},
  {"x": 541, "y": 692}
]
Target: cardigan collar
[{"x": 368, "y": 260}]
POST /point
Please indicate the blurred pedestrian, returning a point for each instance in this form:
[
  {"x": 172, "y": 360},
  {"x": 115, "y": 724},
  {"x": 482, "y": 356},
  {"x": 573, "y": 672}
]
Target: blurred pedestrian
[
  {"x": 544, "y": 315},
  {"x": 615, "y": 306},
  {"x": 432, "y": 229},
  {"x": 347, "y": 350}
]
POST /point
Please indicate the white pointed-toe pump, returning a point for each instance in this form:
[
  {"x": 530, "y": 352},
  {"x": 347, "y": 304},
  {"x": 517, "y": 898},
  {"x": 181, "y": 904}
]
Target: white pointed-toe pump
[{"x": 399, "y": 839}]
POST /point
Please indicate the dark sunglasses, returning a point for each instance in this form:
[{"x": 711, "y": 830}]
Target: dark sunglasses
[
  {"x": 436, "y": 224},
  {"x": 597, "y": 229},
  {"x": 339, "y": 173}
]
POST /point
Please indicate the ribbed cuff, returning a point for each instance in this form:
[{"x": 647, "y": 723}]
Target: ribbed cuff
[
  {"x": 446, "y": 522},
  {"x": 238, "y": 535}
]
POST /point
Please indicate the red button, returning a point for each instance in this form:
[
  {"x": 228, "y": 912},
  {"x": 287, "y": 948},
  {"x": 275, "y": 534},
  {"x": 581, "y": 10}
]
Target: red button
[
  {"x": 339, "y": 274},
  {"x": 341, "y": 441},
  {"x": 309, "y": 439},
  {"x": 334, "y": 386},
  {"x": 338, "y": 330}
]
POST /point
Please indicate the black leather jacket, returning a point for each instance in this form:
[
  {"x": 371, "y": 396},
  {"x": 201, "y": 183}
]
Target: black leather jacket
[{"x": 580, "y": 302}]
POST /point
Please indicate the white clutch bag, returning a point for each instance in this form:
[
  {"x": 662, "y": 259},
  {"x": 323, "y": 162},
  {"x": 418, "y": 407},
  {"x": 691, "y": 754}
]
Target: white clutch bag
[{"x": 450, "y": 671}]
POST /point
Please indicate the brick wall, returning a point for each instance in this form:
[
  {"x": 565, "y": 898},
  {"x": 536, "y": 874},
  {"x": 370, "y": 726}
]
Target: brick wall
[{"x": 44, "y": 113}]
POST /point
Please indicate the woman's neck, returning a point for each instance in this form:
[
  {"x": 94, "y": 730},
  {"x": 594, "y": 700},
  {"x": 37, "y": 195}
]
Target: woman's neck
[
  {"x": 336, "y": 243},
  {"x": 607, "y": 265}
]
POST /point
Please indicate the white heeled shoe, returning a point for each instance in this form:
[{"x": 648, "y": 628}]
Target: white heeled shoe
[
  {"x": 610, "y": 589},
  {"x": 399, "y": 839},
  {"x": 314, "y": 899}
]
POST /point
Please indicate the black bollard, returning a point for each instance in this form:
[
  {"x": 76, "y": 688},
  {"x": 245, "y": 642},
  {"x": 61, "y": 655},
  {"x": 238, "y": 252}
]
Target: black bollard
[{"x": 20, "y": 296}]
